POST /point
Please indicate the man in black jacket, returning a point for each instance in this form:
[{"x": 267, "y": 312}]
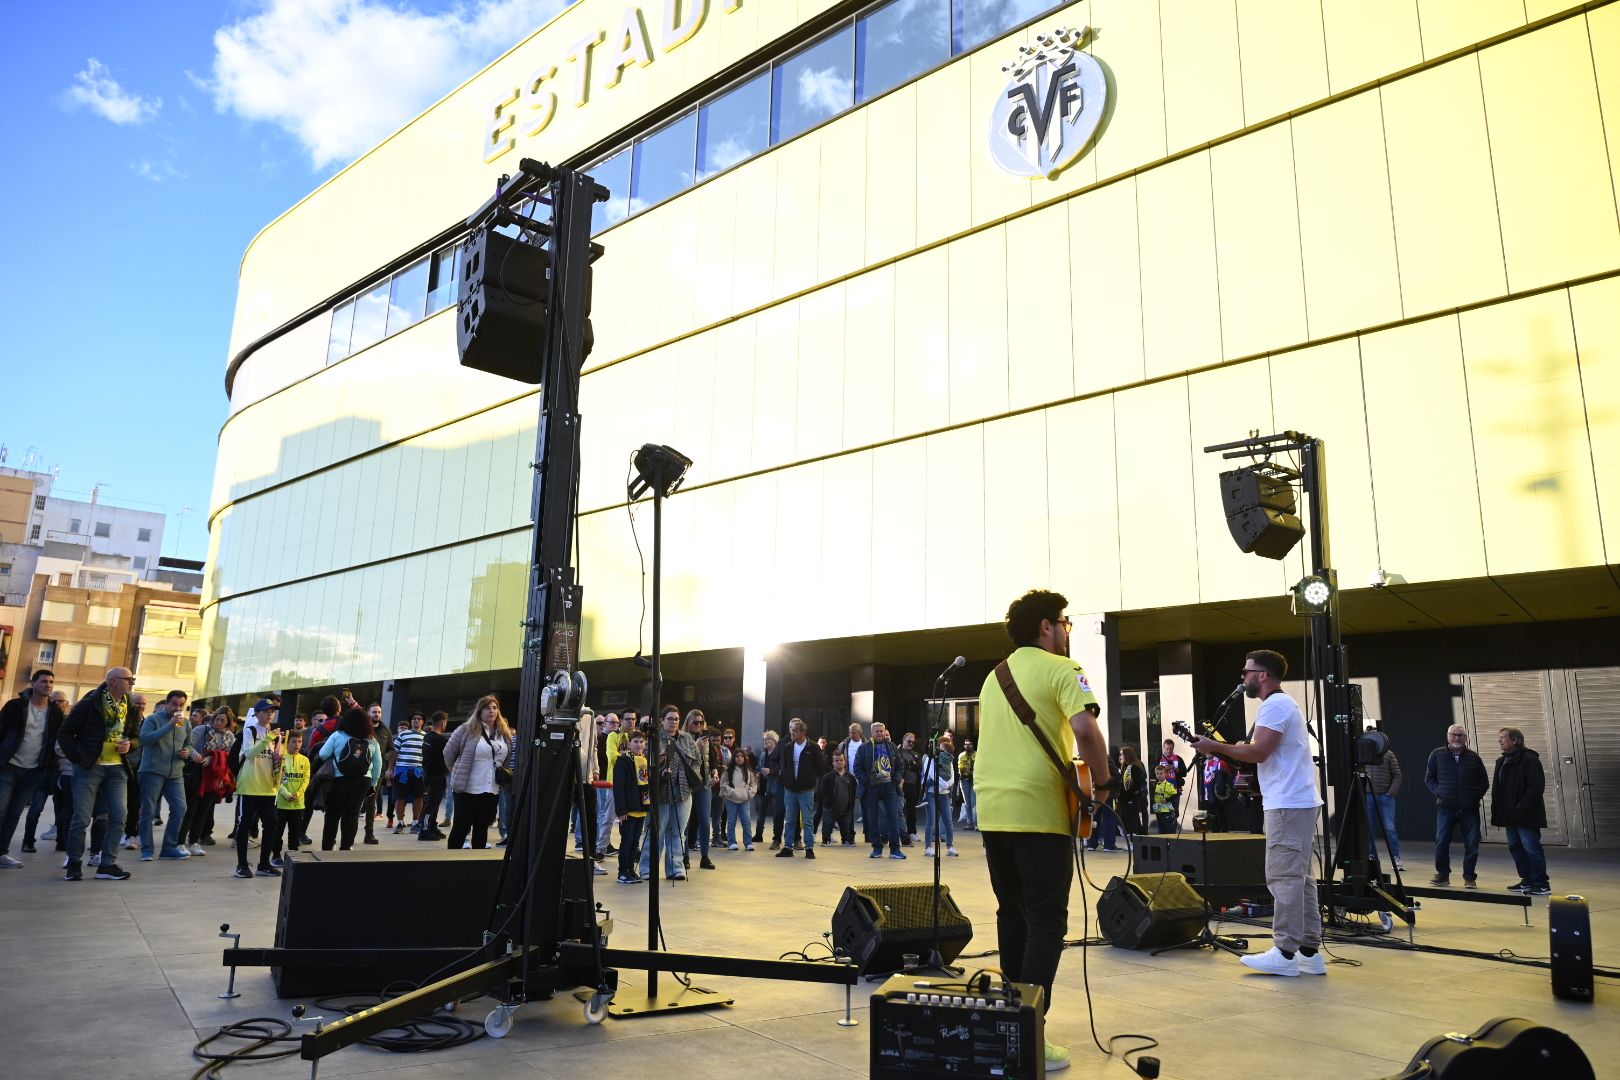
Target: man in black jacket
[
  {"x": 29, "y": 723},
  {"x": 800, "y": 765},
  {"x": 1456, "y": 778},
  {"x": 94, "y": 738},
  {"x": 1517, "y": 806}
]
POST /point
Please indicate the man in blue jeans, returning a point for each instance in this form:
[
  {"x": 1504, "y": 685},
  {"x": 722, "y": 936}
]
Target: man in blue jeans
[
  {"x": 1517, "y": 807},
  {"x": 164, "y": 753},
  {"x": 800, "y": 765},
  {"x": 1383, "y": 784},
  {"x": 28, "y": 727},
  {"x": 94, "y": 738},
  {"x": 878, "y": 768},
  {"x": 1457, "y": 779}
]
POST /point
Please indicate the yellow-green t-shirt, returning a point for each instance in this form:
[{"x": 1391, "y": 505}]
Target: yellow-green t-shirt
[
  {"x": 1018, "y": 788},
  {"x": 114, "y": 718},
  {"x": 643, "y": 788},
  {"x": 292, "y": 783}
]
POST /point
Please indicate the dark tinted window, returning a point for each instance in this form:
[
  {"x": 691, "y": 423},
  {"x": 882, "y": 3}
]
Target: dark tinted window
[
  {"x": 899, "y": 41},
  {"x": 734, "y": 126},
  {"x": 812, "y": 85}
]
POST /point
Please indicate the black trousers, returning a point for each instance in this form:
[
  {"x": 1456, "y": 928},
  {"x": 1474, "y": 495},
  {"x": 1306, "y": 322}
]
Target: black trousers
[
  {"x": 1030, "y": 873},
  {"x": 475, "y": 813},
  {"x": 344, "y": 798},
  {"x": 630, "y": 846},
  {"x": 288, "y": 823},
  {"x": 431, "y": 803},
  {"x": 256, "y": 810},
  {"x": 844, "y": 821}
]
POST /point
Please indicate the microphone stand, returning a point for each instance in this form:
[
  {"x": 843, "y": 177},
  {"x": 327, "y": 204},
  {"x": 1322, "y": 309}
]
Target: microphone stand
[{"x": 936, "y": 965}]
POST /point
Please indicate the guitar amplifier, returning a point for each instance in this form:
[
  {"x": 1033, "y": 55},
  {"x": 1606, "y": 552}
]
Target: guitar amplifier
[{"x": 930, "y": 1027}]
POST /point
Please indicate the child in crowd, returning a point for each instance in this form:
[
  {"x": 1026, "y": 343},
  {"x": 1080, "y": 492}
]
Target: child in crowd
[
  {"x": 292, "y": 781},
  {"x": 631, "y": 797},
  {"x": 1164, "y": 799}
]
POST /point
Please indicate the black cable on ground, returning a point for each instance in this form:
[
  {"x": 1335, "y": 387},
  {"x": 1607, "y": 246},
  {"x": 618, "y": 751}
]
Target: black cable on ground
[
  {"x": 436, "y": 1031},
  {"x": 260, "y": 1031},
  {"x": 1085, "y": 943}
]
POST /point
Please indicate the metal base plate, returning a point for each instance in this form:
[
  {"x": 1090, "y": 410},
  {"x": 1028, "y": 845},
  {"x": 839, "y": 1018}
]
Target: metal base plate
[{"x": 633, "y": 1001}]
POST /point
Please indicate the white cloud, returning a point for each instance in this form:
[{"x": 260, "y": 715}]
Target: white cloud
[
  {"x": 826, "y": 91},
  {"x": 156, "y": 171},
  {"x": 96, "y": 89},
  {"x": 341, "y": 75}
]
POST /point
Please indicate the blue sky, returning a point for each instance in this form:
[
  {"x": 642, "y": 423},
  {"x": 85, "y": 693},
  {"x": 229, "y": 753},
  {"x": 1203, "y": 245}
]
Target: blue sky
[{"x": 146, "y": 144}]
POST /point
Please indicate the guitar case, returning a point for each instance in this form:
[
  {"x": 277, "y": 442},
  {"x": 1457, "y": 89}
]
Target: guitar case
[{"x": 1507, "y": 1046}]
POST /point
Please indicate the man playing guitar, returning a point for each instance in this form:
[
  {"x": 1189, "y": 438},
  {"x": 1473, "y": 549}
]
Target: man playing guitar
[{"x": 1024, "y": 798}]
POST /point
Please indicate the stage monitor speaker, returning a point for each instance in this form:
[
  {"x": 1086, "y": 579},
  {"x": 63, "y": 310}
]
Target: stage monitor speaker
[
  {"x": 876, "y": 925},
  {"x": 501, "y": 313},
  {"x": 1569, "y": 927},
  {"x": 1222, "y": 859},
  {"x": 1147, "y": 911}
]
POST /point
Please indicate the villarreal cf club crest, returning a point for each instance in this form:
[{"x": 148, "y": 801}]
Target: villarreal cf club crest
[{"x": 1049, "y": 112}]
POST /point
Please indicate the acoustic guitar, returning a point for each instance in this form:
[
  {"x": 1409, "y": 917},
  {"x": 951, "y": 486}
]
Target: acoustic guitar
[{"x": 1247, "y": 781}]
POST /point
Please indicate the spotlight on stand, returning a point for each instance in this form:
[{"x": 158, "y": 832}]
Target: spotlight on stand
[
  {"x": 1313, "y": 594},
  {"x": 1370, "y": 747},
  {"x": 1259, "y": 504},
  {"x": 659, "y": 469}
]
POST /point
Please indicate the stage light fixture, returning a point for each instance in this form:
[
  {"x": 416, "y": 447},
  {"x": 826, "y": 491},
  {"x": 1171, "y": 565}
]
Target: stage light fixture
[
  {"x": 1313, "y": 594},
  {"x": 1370, "y": 747},
  {"x": 1259, "y": 504},
  {"x": 659, "y": 469}
]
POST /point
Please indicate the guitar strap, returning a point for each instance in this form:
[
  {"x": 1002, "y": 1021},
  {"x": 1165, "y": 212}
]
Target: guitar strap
[{"x": 1024, "y": 711}]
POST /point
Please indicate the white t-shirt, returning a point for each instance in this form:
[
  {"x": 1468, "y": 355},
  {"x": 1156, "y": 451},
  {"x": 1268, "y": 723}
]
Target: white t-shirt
[
  {"x": 1288, "y": 776},
  {"x": 33, "y": 740}
]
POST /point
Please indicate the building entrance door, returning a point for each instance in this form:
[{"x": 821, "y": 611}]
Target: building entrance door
[
  {"x": 1139, "y": 724},
  {"x": 1595, "y": 700},
  {"x": 1524, "y": 700}
]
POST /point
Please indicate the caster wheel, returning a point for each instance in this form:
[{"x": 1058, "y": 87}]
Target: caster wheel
[
  {"x": 499, "y": 1022},
  {"x": 596, "y": 1009},
  {"x": 1386, "y": 920}
]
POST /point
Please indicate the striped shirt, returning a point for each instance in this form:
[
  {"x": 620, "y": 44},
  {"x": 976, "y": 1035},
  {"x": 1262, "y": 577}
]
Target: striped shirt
[{"x": 408, "y": 749}]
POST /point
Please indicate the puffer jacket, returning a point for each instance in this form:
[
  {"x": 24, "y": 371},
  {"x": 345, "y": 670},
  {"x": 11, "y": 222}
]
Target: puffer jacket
[
  {"x": 1456, "y": 784},
  {"x": 1516, "y": 792},
  {"x": 458, "y": 755},
  {"x": 1385, "y": 777}
]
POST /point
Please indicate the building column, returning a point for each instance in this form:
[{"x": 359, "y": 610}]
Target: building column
[
  {"x": 761, "y": 697},
  {"x": 396, "y": 703},
  {"x": 1181, "y": 689},
  {"x": 862, "y": 698},
  {"x": 1094, "y": 643}
]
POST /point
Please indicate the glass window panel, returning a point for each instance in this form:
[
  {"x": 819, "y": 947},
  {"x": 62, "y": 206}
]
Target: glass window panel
[
  {"x": 812, "y": 85},
  {"x": 407, "y": 296},
  {"x": 337, "y": 345},
  {"x": 613, "y": 174},
  {"x": 734, "y": 126},
  {"x": 70, "y": 652},
  {"x": 897, "y": 42},
  {"x": 442, "y": 279},
  {"x": 103, "y": 616},
  {"x": 370, "y": 318},
  {"x": 977, "y": 21},
  {"x": 663, "y": 163},
  {"x": 95, "y": 655},
  {"x": 56, "y": 611}
]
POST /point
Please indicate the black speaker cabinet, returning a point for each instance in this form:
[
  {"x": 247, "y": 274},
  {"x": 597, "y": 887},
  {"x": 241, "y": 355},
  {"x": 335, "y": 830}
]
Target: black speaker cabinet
[
  {"x": 501, "y": 313},
  {"x": 435, "y": 898},
  {"x": 1222, "y": 859},
  {"x": 1147, "y": 911},
  {"x": 878, "y": 924},
  {"x": 1569, "y": 926}
]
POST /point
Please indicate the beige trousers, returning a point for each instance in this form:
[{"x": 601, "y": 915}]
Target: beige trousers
[{"x": 1290, "y": 840}]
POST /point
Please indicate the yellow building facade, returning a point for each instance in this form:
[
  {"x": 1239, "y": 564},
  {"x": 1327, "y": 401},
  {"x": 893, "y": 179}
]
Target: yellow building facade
[{"x": 915, "y": 384}]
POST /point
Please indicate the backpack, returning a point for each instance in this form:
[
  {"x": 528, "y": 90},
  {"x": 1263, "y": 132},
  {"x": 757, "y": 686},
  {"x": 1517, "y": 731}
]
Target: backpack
[
  {"x": 354, "y": 760},
  {"x": 236, "y": 752}
]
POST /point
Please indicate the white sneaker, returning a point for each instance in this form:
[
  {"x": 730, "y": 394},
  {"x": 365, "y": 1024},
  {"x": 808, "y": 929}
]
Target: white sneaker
[
  {"x": 1272, "y": 962},
  {"x": 928, "y": 852},
  {"x": 94, "y": 859},
  {"x": 1311, "y": 965},
  {"x": 733, "y": 847},
  {"x": 952, "y": 851},
  {"x": 130, "y": 844},
  {"x": 8, "y": 863},
  {"x": 49, "y": 833},
  {"x": 198, "y": 850}
]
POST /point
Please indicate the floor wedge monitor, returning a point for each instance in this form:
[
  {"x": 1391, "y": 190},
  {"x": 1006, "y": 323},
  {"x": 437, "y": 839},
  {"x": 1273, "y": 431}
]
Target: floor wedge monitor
[
  {"x": 1147, "y": 911},
  {"x": 877, "y": 925}
]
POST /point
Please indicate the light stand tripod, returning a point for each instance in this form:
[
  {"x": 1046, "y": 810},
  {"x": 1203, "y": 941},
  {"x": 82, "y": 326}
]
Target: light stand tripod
[
  {"x": 936, "y": 963},
  {"x": 1206, "y": 938}
]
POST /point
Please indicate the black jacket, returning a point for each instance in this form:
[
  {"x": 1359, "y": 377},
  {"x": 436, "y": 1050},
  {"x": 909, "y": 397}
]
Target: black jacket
[
  {"x": 811, "y": 766},
  {"x": 835, "y": 794},
  {"x": 1516, "y": 791},
  {"x": 14, "y": 722},
  {"x": 433, "y": 753},
  {"x": 84, "y": 731},
  {"x": 1456, "y": 785}
]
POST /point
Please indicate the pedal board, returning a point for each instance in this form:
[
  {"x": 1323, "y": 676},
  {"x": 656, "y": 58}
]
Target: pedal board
[{"x": 931, "y": 1026}]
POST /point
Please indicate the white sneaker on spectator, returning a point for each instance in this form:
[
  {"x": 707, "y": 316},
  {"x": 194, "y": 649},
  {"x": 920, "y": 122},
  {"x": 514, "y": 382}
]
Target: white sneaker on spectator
[
  {"x": 94, "y": 859},
  {"x": 8, "y": 863},
  {"x": 49, "y": 833},
  {"x": 130, "y": 844},
  {"x": 928, "y": 852},
  {"x": 198, "y": 849},
  {"x": 952, "y": 851}
]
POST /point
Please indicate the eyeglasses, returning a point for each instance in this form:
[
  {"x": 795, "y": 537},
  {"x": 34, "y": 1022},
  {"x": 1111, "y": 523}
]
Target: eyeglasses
[
  {"x": 728, "y": 737},
  {"x": 1066, "y": 623},
  {"x": 1253, "y": 671}
]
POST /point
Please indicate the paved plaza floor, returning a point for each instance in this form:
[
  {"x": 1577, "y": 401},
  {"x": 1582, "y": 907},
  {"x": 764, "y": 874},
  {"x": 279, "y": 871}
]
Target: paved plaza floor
[{"x": 122, "y": 978}]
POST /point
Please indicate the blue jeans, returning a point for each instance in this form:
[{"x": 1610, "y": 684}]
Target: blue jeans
[
  {"x": 1104, "y": 829},
  {"x": 1382, "y": 807},
  {"x": 1448, "y": 820},
  {"x": 172, "y": 789},
  {"x": 938, "y": 806},
  {"x": 1525, "y": 847},
  {"x": 604, "y": 818},
  {"x": 799, "y": 809},
  {"x": 970, "y": 804},
  {"x": 736, "y": 812},
  {"x": 17, "y": 787},
  {"x": 90, "y": 781},
  {"x": 671, "y": 837},
  {"x": 885, "y": 808}
]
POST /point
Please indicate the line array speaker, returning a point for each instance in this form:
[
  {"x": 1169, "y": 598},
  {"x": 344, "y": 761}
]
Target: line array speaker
[{"x": 501, "y": 313}]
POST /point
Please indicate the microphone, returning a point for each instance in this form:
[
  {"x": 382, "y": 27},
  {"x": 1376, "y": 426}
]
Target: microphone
[
  {"x": 960, "y": 661},
  {"x": 1238, "y": 690}
]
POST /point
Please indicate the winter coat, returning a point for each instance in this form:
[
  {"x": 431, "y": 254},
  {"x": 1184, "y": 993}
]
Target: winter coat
[
  {"x": 1516, "y": 791},
  {"x": 739, "y": 784},
  {"x": 85, "y": 729},
  {"x": 811, "y": 766},
  {"x": 1385, "y": 777},
  {"x": 459, "y": 756},
  {"x": 14, "y": 722},
  {"x": 161, "y": 741},
  {"x": 1456, "y": 784},
  {"x": 836, "y": 793}
]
